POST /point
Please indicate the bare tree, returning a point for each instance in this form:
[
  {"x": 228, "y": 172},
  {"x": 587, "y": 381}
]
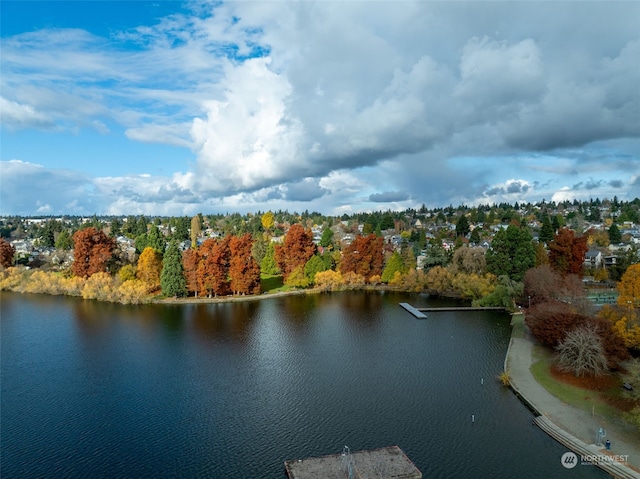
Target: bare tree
[{"x": 581, "y": 352}]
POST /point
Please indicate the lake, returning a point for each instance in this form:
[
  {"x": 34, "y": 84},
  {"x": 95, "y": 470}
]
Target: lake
[{"x": 232, "y": 390}]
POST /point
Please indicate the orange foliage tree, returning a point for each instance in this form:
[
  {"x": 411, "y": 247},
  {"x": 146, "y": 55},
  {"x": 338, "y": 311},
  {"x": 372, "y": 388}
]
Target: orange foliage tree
[
  {"x": 244, "y": 270},
  {"x": 7, "y": 252},
  {"x": 629, "y": 287},
  {"x": 92, "y": 251},
  {"x": 213, "y": 267},
  {"x": 150, "y": 268},
  {"x": 190, "y": 262},
  {"x": 364, "y": 256},
  {"x": 566, "y": 252},
  {"x": 296, "y": 249}
]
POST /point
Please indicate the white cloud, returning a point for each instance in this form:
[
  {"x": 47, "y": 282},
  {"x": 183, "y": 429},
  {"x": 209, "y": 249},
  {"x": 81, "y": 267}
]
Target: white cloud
[
  {"x": 337, "y": 104},
  {"x": 15, "y": 115}
]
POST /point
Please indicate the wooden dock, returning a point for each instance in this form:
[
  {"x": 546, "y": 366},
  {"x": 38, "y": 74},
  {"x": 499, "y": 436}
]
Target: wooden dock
[
  {"x": 419, "y": 312},
  {"x": 384, "y": 463},
  {"x": 413, "y": 311}
]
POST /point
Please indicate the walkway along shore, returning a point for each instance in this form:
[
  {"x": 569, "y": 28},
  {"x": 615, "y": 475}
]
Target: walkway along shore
[{"x": 574, "y": 428}]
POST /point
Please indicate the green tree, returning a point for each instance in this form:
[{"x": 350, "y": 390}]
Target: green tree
[
  {"x": 546, "y": 232},
  {"x": 394, "y": 264},
  {"x": 313, "y": 266},
  {"x": 615, "y": 236},
  {"x": 64, "y": 241},
  {"x": 511, "y": 253},
  {"x": 172, "y": 280},
  {"x": 326, "y": 239},
  {"x": 462, "y": 227},
  {"x": 268, "y": 265}
]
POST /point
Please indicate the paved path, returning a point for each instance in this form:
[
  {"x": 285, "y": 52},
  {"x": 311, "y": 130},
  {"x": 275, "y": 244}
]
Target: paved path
[{"x": 578, "y": 423}]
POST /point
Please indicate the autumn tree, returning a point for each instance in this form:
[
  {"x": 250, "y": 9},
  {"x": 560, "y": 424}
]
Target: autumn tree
[
  {"x": 92, "y": 252},
  {"x": 295, "y": 251},
  {"x": 244, "y": 272},
  {"x": 469, "y": 260},
  {"x": 172, "y": 279},
  {"x": 150, "y": 268},
  {"x": 7, "y": 253},
  {"x": 195, "y": 230},
  {"x": 394, "y": 264},
  {"x": 566, "y": 252},
  {"x": 511, "y": 253},
  {"x": 549, "y": 322},
  {"x": 625, "y": 322},
  {"x": 267, "y": 220},
  {"x": 190, "y": 263},
  {"x": 364, "y": 256},
  {"x": 629, "y": 287},
  {"x": 213, "y": 267}
]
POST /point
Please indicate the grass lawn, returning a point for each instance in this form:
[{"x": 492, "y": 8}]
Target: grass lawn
[
  {"x": 596, "y": 401},
  {"x": 272, "y": 284}
]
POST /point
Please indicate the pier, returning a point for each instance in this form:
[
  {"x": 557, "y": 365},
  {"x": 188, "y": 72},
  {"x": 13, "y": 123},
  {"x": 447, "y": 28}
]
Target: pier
[
  {"x": 419, "y": 312},
  {"x": 384, "y": 463}
]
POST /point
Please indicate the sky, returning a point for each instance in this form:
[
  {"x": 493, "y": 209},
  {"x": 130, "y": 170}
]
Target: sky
[{"x": 177, "y": 108}]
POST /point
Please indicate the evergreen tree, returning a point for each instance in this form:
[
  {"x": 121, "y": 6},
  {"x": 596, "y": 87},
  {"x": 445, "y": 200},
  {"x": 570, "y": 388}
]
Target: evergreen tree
[
  {"x": 546, "y": 232},
  {"x": 326, "y": 239},
  {"x": 462, "y": 227},
  {"x": 268, "y": 264},
  {"x": 172, "y": 280},
  {"x": 313, "y": 266},
  {"x": 511, "y": 253},
  {"x": 615, "y": 236}
]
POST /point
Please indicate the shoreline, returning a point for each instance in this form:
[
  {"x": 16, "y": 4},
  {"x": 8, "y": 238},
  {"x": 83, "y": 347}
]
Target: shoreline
[{"x": 570, "y": 426}]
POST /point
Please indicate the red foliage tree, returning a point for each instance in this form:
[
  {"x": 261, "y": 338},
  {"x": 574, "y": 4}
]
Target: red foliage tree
[
  {"x": 92, "y": 251},
  {"x": 549, "y": 322},
  {"x": 190, "y": 261},
  {"x": 213, "y": 267},
  {"x": 296, "y": 249},
  {"x": 7, "y": 252},
  {"x": 566, "y": 252},
  {"x": 363, "y": 256},
  {"x": 244, "y": 270}
]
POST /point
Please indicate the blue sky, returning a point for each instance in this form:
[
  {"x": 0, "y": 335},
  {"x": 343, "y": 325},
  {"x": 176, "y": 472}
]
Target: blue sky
[{"x": 175, "y": 108}]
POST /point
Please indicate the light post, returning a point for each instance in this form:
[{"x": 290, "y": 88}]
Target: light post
[{"x": 529, "y": 300}]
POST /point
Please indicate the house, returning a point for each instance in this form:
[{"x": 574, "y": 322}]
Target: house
[{"x": 593, "y": 259}]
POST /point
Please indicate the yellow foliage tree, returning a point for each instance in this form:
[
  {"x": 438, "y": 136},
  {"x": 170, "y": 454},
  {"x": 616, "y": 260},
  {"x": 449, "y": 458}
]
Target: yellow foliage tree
[
  {"x": 329, "y": 280},
  {"x": 629, "y": 287},
  {"x": 626, "y": 323},
  {"x": 100, "y": 286},
  {"x": 132, "y": 291},
  {"x": 267, "y": 220},
  {"x": 439, "y": 279},
  {"x": 150, "y": 268}
]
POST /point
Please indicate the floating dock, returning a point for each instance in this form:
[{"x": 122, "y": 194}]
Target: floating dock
[
  {"x": 417, "y": 313},
  {"x": 384, "y": 463}
]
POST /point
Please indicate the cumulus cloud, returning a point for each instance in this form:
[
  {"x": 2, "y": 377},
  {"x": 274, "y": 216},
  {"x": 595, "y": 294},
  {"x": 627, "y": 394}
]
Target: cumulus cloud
[{"x": 347, "y": 104}]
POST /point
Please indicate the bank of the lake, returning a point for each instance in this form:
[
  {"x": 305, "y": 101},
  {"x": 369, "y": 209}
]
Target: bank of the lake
[
  {"x": 234, "y": 389},
  {"x": 578, "y": 428}
]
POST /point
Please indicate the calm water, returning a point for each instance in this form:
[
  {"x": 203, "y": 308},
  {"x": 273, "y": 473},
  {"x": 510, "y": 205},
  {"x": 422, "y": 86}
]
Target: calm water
[{"x": 232, "y": 390}]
